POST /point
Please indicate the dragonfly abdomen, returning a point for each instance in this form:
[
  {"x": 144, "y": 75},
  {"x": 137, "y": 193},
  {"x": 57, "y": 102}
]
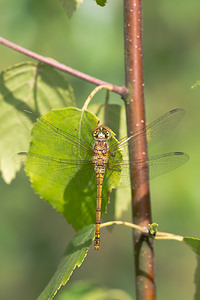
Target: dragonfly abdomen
[
  {"x": 100, "y": 160},
  {"x": 99, "y": 178}
]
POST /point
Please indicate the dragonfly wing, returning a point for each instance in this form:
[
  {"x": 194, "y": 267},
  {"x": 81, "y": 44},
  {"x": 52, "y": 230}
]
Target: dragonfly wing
[
  {"x": 70, "y": 186},
  {"x": 52, "y": 132},
  {"x": 164, "y": 163},
  {"x": 54, "y": 169},
  {"x": 160, "y": 128},
  {"x": 155, "y": 131},
  {"x": 156, "y": 166}
]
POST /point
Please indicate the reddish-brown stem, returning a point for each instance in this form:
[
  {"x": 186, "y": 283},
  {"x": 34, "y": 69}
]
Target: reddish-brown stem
[
  {"x": 121, "y": 90},
  {"x": 143, "y": 246}
]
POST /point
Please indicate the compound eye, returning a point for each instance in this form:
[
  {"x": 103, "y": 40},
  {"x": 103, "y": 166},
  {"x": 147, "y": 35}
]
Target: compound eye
[
  {"x": 95, "y": 134},
  {"x": 107, "y": 134}
]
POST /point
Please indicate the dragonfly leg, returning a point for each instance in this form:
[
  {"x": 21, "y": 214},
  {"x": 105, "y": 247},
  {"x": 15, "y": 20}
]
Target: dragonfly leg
[{"x": 112, "y": 154}]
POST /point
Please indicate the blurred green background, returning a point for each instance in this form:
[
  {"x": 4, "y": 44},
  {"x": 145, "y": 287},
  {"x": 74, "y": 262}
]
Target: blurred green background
[{"x": 32, "y": 235}]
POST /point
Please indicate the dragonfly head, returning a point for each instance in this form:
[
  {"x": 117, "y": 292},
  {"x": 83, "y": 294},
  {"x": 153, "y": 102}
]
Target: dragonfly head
[{"x": 102, "y": 133}]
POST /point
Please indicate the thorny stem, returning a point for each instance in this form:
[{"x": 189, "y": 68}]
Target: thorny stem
[
  {"x": 121, "y": 90},
  {"x": 141, "y": 209}
]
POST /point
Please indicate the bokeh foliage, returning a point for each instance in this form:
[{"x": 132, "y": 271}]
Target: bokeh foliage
[{"x": 32, "y": 236}]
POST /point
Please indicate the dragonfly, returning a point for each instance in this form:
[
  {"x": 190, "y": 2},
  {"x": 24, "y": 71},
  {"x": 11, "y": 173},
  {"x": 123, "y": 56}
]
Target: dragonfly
[{"x": 103, "y": 154}]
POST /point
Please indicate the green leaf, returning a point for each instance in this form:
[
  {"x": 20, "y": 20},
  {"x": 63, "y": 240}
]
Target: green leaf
[
  {"x": 101, "y": 2},
  {"x": 194, "y": 243},
  {"x": 85, "y": 290},
  {"x": 73, "y": 257},
  {"x": 60, "y": 165},
  {"x": 153, "y": 228},
  {"x": 26, "y": 86},
  {"x": 197, "y": 280},
  {"x": 70, "y": 6}
]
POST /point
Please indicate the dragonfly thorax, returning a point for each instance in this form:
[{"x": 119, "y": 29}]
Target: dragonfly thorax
[{"x": 102, "y": 133}]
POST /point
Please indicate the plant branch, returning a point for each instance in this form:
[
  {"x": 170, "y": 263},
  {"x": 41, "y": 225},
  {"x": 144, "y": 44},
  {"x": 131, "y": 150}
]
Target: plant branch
[
  {"x": 128, "y": 224},
  {"x": 91, "y": 95},
  {"x": 168, "y": 236},
  {"x": 135, "y": 110},
  {"x": 159, "y": 235},
  {"x": 121, "y": 90}
]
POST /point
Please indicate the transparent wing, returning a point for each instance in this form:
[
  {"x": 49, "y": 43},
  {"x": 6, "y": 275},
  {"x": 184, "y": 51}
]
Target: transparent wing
[
  {"x": 56, "y": 163},
  {"x": 155, "y": 131},
  {"x": 55, "y": 169},
  {"x": 164, "y": 163},
  {"x": 55, "y": 133},
  {"x": 158, "y": 165}
]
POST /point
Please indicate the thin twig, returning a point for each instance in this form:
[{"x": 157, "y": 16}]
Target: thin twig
[
  {"x": 168, "y": 236},
  {"x": 121, "y": 90},
  {"x": 159, "y": 235},
  {"x": 91, "y": 95},
  {"x": 134, "y": 226},
  {"x": 87, "y": 102}
]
